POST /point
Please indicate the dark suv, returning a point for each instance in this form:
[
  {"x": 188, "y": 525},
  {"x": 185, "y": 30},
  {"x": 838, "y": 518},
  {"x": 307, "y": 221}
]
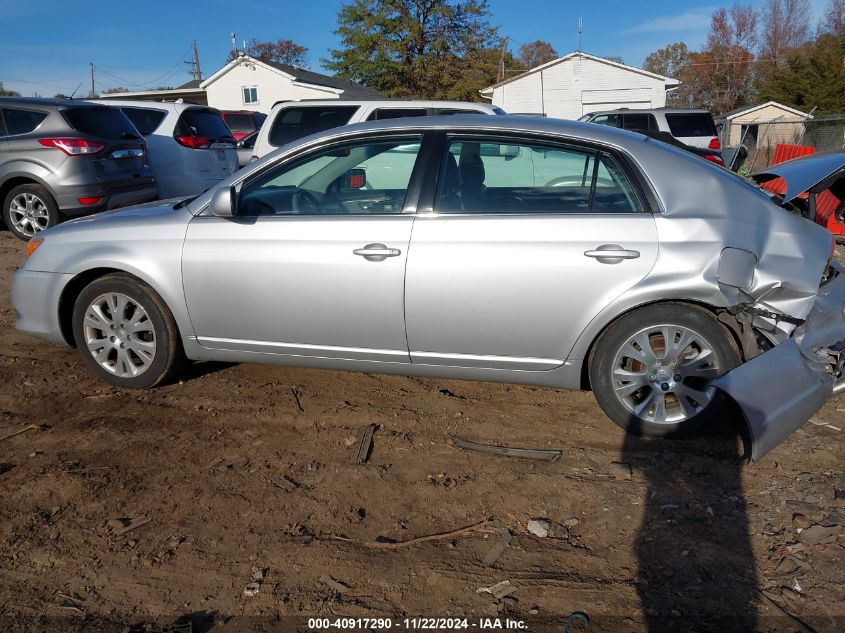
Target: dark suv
[{"x": 63, "y": 158}]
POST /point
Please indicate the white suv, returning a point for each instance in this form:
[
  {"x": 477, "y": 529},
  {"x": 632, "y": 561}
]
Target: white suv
[
  {"x": 691, "y": 127},
  {"x": 291, "y": 120},
  {"x": 189, "y": 147}
]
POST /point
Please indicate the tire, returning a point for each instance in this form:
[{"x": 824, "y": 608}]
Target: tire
[
  {"x": 125, "y": 333},
  {"x": 630, "y": 388},
  {"x": 28, "y": 210}
]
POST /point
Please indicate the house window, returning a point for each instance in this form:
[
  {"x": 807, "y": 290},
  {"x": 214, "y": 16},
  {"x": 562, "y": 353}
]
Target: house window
[{"x": 250, "y": 94}]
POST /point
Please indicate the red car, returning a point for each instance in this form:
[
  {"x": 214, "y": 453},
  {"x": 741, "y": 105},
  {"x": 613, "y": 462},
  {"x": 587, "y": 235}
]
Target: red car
[
  {"x": 812, "y": 183},
  {"x": 243, "y": 122}
]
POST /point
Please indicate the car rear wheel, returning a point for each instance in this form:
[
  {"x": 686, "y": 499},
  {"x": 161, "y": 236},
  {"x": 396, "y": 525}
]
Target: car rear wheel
[
  {"x": 125, "y": 333},
  {"x": 651, "y": 370},
  {"x": 29, "y": 209}
]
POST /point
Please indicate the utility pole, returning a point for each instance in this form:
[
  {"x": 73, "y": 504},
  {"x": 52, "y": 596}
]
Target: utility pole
[
  {"x": 93, "y": 91},
  {"x": 195, "y": 71},
  {"x": 502, "y": 61}
]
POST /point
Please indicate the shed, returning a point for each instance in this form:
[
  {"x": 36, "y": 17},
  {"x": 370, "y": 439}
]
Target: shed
[
  {"x": 576, "y": 84},
  {"x": 764, "y": 125}
]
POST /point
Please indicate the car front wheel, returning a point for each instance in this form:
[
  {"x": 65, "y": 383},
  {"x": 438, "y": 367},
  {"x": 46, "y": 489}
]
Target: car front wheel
[
  {"x": 125, "y": 332},
  {"x": 651, "y": 370}
]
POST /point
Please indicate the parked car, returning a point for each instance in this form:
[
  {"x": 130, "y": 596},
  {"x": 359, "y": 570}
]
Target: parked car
[
  {"x": 189, "y": 146},
  {"x": 714, "y": 156},
  {"x": 243, "y": 122},
  {"x": 617, "y": 263},
  {"x": 64, "y": 158},
  {"x": 691, "y": 127},
  {"x": 291, "y": 120},
  {"x": 246, "y": 147},
  {"x": 796, "y": 185}
]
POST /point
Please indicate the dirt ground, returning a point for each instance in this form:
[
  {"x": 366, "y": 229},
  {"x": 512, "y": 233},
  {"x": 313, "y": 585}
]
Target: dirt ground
[{"x": 245, "y": 474}]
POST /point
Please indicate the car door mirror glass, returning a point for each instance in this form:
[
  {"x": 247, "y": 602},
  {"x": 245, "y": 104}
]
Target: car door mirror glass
[
  {"x": 223, "y": 202},
  {"x": 355, "y": 179}
]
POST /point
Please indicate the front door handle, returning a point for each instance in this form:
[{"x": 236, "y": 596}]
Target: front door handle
[
  {"x": 611, "y": 254},
  {"x": 376, "y": 252}
]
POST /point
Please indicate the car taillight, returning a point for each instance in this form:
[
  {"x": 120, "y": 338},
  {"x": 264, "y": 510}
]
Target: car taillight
[
  {"x": 73, "y": 146},
  {"x": 194, "y": 142},
  {"x": 89, "y": 200},
  {"x": 715, "y": 158},
  {"x": 714, "y": 144}
]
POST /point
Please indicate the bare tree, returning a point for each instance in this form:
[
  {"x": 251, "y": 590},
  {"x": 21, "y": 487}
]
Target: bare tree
[
  {"x": 535, "y": 53},
  {"x": 785, "y": 25},
  {"x": 722, "y": 72},
  {"x": 834, "y": 18}
]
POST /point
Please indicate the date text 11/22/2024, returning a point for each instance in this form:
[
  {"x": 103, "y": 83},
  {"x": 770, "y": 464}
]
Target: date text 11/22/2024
[{"x": 315, "y": 625}]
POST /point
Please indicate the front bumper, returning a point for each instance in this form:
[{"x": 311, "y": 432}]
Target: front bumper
[
  {"x": 782, "y": 388},
  {"x": 35, "y": 298}
]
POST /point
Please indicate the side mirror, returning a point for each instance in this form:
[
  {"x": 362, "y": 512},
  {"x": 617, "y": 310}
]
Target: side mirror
[
  {"x": 223, "y": 202},
  {"x": 355, "y": 179}
]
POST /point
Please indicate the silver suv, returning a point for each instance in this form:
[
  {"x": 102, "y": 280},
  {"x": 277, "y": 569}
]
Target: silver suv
[{"x": 64, "y": 158}]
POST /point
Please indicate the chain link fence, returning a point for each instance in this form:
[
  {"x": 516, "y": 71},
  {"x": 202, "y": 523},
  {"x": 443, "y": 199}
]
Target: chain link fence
[{"x": 761, "y": 139}]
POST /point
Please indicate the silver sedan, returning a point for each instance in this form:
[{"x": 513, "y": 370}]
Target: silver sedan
[{"x": 504, "y": 249}]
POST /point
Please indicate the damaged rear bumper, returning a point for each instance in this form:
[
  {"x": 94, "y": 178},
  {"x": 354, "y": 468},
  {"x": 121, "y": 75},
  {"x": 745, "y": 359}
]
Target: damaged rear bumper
[{"x": 782, "y": 388}]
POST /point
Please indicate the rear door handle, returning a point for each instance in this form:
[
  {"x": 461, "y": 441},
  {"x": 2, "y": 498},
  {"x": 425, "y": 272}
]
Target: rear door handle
[
  {"x": 376, "y": 252},
  {"x": 611, "y": 253}
]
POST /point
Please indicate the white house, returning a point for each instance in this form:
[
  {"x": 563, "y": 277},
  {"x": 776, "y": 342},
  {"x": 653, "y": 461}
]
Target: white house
[
  {"x": 578, "y": 83},
  {"x": 246, "y": 83}
]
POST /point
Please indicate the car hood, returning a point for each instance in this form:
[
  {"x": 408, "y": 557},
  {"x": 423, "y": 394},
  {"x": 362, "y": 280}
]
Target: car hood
[{"x": 808, "y": 173}]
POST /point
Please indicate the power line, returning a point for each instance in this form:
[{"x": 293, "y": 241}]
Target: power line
[{"x": 170, "y": 72}]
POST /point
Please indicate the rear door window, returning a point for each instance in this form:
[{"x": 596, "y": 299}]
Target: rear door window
[
  {"x": 105, "y": 122},
  {"x": 493, "y": 176},
  {"x": 691, "y": 124},
  {"x": 296, "y": 122},
  {"x": 22, "y": 121},
  {"x": 206, "y": 123},
  {"x": 381, "y": 114},
  {"x": 639, "y": 122},
  {"x": 452, "y": 111},
  {"x": 145, "y": 120}
]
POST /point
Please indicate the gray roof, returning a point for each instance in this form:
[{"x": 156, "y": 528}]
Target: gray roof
[
  {"x": 350, "y": 88},
  {"x": 194, "y": 83}
]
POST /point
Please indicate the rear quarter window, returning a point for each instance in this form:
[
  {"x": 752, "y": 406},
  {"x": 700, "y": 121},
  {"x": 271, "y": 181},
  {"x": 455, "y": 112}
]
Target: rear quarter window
[
  {"x": 691, "y": 124},
  {"x": 21, "y": 121},
  {"x": 207, "y": 123},
  {"x": 145, "y": 120},
  {"x": 396, "y": 113},
  {"x": 296, "y": 122},
  {"x": 105, "y": 122},
  {"x": 240, "y": 122}
]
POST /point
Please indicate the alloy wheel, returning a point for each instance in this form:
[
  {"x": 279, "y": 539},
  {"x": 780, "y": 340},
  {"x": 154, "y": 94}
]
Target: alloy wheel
[
  {"x": 119, "y": 334},
  {"x": 662, "y": 374},
  {"x": 28, "y": 214}
]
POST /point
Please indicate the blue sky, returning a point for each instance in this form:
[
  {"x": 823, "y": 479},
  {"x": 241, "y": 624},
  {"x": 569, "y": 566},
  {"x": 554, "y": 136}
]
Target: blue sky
[{"x": 45, "y": 45}]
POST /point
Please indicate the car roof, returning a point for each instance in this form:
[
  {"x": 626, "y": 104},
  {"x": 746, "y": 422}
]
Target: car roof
[
  {"x": 43, "y": 101},
  {"x": 561, "y": 128},
  {"x": 647, "y": 110},
  {"x": 386, "y": 103},
  {"x": 153, "y": 105}
]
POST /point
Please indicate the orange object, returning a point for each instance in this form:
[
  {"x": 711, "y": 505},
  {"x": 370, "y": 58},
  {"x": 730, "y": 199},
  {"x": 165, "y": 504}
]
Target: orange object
[{"x": 33, "y": 244}]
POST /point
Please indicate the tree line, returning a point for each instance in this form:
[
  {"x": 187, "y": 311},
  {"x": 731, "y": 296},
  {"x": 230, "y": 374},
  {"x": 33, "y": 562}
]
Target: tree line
[{"x": 755, "y": 55}]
